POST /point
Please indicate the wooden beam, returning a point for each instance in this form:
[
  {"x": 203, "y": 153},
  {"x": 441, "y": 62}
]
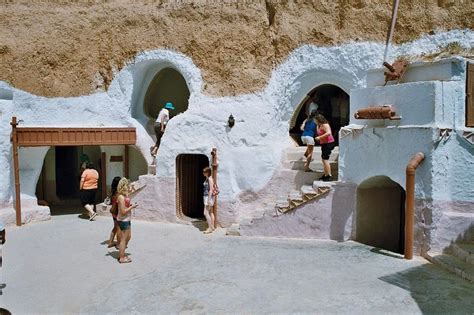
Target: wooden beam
[
  {"x": 45, "y": 136},
  {"x": 16, "y": 166}
]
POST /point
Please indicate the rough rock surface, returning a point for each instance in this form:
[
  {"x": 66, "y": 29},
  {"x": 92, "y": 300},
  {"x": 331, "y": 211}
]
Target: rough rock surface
[{"x": 68, "y": 49}]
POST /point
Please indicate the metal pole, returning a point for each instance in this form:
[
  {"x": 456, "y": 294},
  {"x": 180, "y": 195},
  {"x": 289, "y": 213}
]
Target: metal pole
[
  {"x": 391, "y": 29},
  {"x": 16, "y": 167}
]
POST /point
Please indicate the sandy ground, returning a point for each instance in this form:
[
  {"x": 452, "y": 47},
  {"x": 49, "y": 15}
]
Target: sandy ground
[
  {"x": 70, "y": 48},
  {"x": 62, "y": 266}
]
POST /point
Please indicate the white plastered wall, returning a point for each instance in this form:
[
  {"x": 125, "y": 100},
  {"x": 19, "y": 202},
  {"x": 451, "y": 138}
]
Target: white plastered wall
[
  {"x": 432, "y": 122},
  {"x": 249, "y": 153}
]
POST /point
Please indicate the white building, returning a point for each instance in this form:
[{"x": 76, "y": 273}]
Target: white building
[{"x": 251, "y": 171}]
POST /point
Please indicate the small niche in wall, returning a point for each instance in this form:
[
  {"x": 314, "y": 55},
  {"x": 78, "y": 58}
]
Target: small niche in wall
[{"x": 116, "y": 158}]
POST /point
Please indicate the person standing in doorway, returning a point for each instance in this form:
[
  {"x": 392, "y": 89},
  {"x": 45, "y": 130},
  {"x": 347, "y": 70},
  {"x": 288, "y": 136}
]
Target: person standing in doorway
[
  {"x": 312, "y": 105},
  {"x": 114, "y": 212},
  {"x": 327, "y": 142},
  {"x": 208, "y": 198},
  {"x": 309, "y": 131},
  {"x": 88, "y": 189},
  {"x": 160, "y": 125},
  {"x": 124, "y": 218}
]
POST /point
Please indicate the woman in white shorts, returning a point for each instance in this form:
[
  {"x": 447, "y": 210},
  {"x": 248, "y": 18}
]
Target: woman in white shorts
[
  {"x": 309, "y": 132},
  {"x": 209, "y": 197}
]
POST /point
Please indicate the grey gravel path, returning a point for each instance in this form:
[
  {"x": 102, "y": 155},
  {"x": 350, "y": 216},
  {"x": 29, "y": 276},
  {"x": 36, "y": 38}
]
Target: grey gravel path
[{"x": 62, "y": 266}]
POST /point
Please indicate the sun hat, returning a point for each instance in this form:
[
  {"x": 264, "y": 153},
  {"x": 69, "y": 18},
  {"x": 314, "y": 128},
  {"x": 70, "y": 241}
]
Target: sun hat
[{"x": 169, "y": 106}]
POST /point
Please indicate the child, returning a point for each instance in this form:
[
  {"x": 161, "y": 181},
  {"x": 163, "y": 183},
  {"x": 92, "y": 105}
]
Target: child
[{"x": 208, "y": 196}]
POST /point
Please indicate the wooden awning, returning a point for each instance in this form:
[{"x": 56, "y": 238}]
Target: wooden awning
[
  {"x": 39, "y": 136},
  {"x": 52, "y": 136}
]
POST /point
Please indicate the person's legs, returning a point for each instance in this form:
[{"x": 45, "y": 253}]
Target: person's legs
[
  {"x": 129, "y": 236},
  {"x": 327, "y": 168},
  {"x": 209, "y": 218},
  {"x": 325, "y": 154},
  {"x": 158, "y": 134},
  {"x": 112, "y": 234},
  {"x": 123, "y": 244},
  {"x": 90, "y": 209},
  {"x": 214, "y": 216},
  {"x": 309, "y": 157}
]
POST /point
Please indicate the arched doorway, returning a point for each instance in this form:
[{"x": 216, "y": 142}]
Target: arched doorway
[
  {"x": 189, "y": 184},
  {"x": 380, "y": 220},
  {"x": 330, "y": 101},
  {"x": 168, "y": 85}
]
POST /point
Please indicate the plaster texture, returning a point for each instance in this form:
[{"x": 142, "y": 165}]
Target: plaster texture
[
  {"x": 63, "y": 266},
  {"x": 328, "y": 217},
  {"x": 250, "y": 152},
  {"x": 433, "y": 113}
]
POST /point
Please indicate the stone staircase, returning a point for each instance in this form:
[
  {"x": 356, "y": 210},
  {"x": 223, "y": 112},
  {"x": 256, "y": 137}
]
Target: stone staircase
[
  {"x": 294, "y": 160},
  {"x": 458, "y": 258},
  {"x": 306, "y": 187}
]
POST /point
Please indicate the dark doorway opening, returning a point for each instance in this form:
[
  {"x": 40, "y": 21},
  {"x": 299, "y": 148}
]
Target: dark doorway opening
[
  {"x": 189, "y": 184},
  {"x": 331, "y": 101},
  {"x": 67, "y": 172},
  {"x": 380, "y": 220},
  {"x": 58, "y": 184},
  {"x": 168, "y": 85}
]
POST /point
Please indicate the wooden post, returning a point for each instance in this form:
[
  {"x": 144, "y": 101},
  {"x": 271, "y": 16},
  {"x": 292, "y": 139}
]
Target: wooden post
[
  {"x": 125, "y": 161},
  {"x": 214, "y": 165},
  {"x": 16, "y": 167},
  {"x": 103, "y": 175}
]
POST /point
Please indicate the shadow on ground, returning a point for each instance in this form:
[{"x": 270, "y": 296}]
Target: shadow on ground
[{"x": 435, "y": 290}]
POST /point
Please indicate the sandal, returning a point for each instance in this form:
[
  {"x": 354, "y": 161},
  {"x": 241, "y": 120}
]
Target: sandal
[
  {"x": 125, "y": 260},
  {"x": 208, "y": 231},
  {"x": 93, "y": 216}
]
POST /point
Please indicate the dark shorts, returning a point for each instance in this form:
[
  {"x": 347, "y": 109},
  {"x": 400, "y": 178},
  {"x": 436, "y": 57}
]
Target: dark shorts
[
  {"x": 326, "y": 149},
  {"x": 88, "y": 196},
  {"x": 158, "y": 134},
  {"x": 124, "y": 225}
]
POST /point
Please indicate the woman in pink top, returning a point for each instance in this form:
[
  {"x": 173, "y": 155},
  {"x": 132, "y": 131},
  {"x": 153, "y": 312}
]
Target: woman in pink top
[
  {"x": 326, "y": 140},
  {"x": 124, "y": 217},
  {"x": 88, "y": 189}
]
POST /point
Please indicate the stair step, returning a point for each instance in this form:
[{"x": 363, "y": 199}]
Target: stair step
[
  {"x": 308, "y": 190},
  {"x": 463, "y": 251},
  {"x": 316, "y": 164},
  {"x": 295, "y": 195},
  {"x": 282, "y": 202},
  {"x": 455, "y": 265},
  {"x": 296, "y": 153}
]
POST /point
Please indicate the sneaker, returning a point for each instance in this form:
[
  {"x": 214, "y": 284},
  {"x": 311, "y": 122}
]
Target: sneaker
[
  {"x": 327, "y": 179},
  {"x": 323, "y": 177}
]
